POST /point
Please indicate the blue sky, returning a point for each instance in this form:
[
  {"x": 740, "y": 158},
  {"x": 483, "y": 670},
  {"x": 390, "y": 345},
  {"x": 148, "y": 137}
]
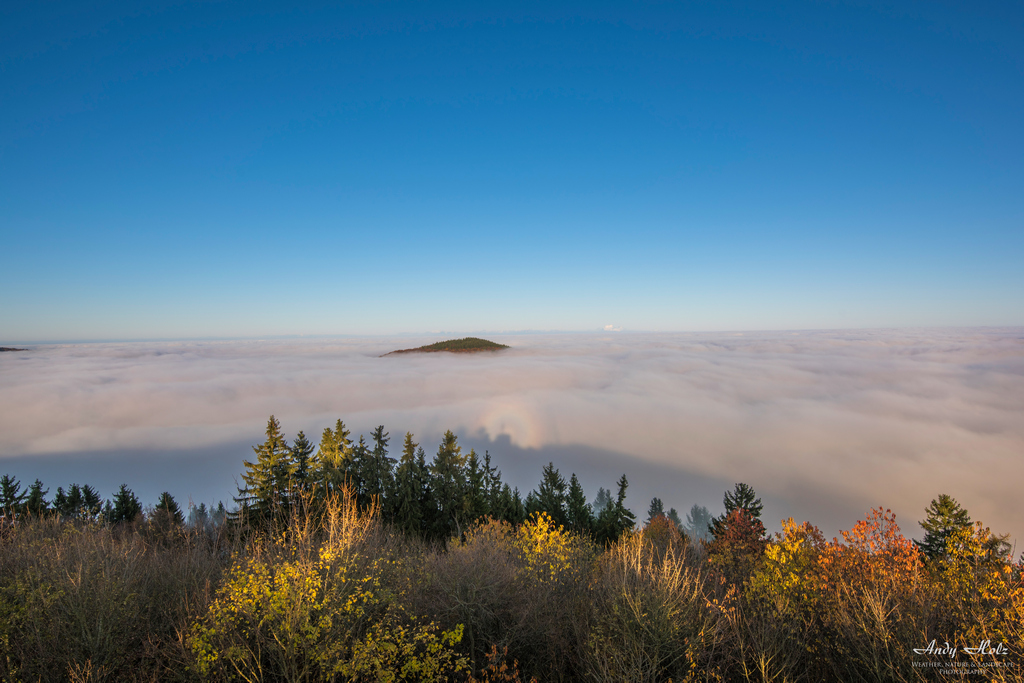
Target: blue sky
[{"x": 246, "y": 169}]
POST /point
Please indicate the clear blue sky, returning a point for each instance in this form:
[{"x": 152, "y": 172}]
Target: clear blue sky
[{"x": 239, "y": 169}]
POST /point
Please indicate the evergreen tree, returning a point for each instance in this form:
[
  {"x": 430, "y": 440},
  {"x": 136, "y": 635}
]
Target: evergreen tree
[
  {"x": 698, "y": 523},
  {"x": 602, "y": 500},
  {"x": 167, "y": 510},
  {"x": 304, "y": 466},
  {"x": 550, "y": 496},
  {"x": 407, "y": 509},
  {"x": 943, "y": 517},
  {"x": 673, "y": 517},
  {"x": 266, "y": 480},
  {"x": 492, "y": 485},
  {"x": 615, "y": 519},
  {"x": 11, "y": 496},
  {"x": 448, "y": 484},
  {"x": 334, "y": 458},
  {"x": 742, "y": 497},
  {"x": 474, "y": 503},
  {"x": 198, "y": 517},
  {"x": 92, "y": 503},
  {"x": 578, "y": 511},
  {"x": 657, "y": 509},
  {"x": 378, "y": 477},
  {"x": 126, "y": 506},
  {"x": 36, "y": 503}
]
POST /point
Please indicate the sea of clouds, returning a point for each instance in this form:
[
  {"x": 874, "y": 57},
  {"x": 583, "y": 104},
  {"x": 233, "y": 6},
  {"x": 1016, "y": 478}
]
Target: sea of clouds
[{"x": 823, "y": 424}]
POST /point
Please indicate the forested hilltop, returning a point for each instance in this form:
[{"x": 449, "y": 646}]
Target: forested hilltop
[
  {"x": 465, "y": 345},
  {"x": 342, "y": 562}
]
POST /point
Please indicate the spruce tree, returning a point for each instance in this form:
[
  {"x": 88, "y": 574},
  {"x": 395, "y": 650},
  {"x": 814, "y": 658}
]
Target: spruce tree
[
  {"x": 474, "y": 503},
  {"x": 378, "y": 476},
  {"x": 304, "y": 465},
  {"x": 448, "y": 484},
  {"x": 943, "y": 517},
  {"x": 602, "y": 500},
  {"x": 673, "y": 517},
  {"x": 11, "y": 496},
  {"x": 698, "y": 523},
  {"x": 550, "y": 496},
  {"x": 92, "y": 503},
  {"x": 407, "y": 508},
  {"x": 167, "y": 510},
  {"x": 578, "y": 511},
  {"x": 742, "y": 497},
  {"x": 334, "y": 459},
  {"x": 266, "y": 480},
  {"x": 126, "y": 506},
  {"x": 36, "y": 503},
  {"x": 657, "y": 509}
]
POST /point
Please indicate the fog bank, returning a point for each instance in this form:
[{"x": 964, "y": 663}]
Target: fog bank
[{"x": 823, "y": 424}]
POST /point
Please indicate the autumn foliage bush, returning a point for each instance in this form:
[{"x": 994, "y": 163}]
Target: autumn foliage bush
[{"x": 335, "y": 595}]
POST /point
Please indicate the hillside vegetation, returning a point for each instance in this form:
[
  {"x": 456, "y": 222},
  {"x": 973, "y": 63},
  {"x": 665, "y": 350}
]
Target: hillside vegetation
[
  {"x": 465, "y": 345},
  {"x": 343, "y": 563}
]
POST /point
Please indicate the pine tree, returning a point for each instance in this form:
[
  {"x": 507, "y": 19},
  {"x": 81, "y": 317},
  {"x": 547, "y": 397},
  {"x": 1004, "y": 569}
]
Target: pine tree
[
  {"x": 741, "y": 498},
  {"x": 378, "y": 472},
  {"x": 167, "y": 510},
  {"x": 407, "y": 509},
  {"x": 673, "y": 517},
  {"x": 615, "y": 519},
  {"x": 447, "y": 484},
  {"x": 943, "y": 518},
  {"x": 602, "y": 500},
  {"x": 474, "y": 503},
  {"x": 36, "y": 503},
  {"x": 266, "y": 480},
  {"x": 304, "y": 464},
  {"x": 550, "y": 496},
  {"x": 126, "y": 506},
  {"x": 657, "y": 509},
  {"x": 92, "y": 503},
  {"x": 334, "y": 458},
  {"x": 698, "y": 523},
  {"x": 11, "y": 496},
  {"x": 578, "y": 511}
]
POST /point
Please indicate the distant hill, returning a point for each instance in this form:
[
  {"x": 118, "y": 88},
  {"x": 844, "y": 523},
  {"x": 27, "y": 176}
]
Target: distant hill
[
  {"x": 11, "y": 348},
  {"x": 466, "y": 345}
]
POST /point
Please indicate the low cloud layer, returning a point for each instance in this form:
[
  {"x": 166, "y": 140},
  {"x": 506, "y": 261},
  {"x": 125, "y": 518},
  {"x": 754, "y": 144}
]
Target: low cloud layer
[{"x": 824, "y": 425}]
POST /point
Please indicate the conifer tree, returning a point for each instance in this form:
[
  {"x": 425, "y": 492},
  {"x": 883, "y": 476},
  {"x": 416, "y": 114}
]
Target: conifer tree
[
  {"x": 943, "y": 518},
  {"x": 11, "y": 496},
  {"x": 698, "y": 523},
  {"x": 266, "y": 480},
  {"x": 407, "y": 510},
  {"x": 334, "y": 458},
  {"x": 448, "y": 484},
  {"x": 474, "y": 502},
  {"x": 378, "y": 471},
  {"x": 304, "y": 465},
  {"x": 673, "y": 517},
  {"x": 616, "y": 518},
  {"x": 742, "y": 497},
  {"x": 657, "y": 509},
  {"x": 36, "y": 503},
  {"x": 126, "y": 506},
  {"x": 602, "y": 500},
  {"x": 167, "y": 510},
  {"x": 578, "y": 511},
  {"x": 550, "y": 496},
  {"x": 92, "y": 503}
]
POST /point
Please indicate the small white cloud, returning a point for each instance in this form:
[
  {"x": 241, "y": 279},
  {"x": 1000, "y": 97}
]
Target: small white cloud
[{"x": 612, "y": 328}]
